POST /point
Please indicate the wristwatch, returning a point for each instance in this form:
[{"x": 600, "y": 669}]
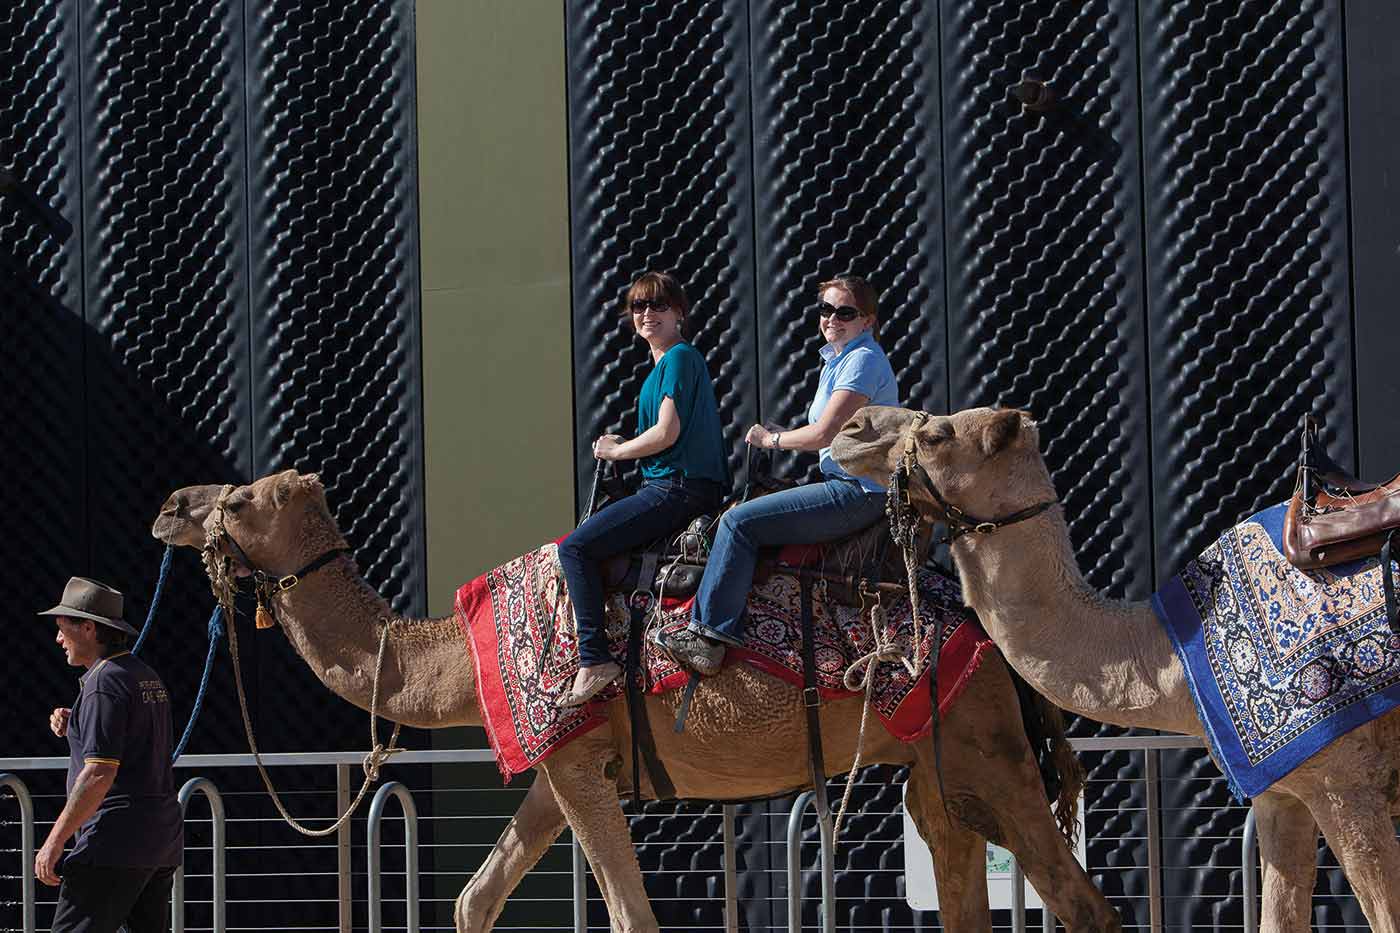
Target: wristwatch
[{"x": 776, "y": 435}]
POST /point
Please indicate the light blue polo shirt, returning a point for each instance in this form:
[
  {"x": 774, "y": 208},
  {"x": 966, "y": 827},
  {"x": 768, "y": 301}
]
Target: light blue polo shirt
[{"x": 862, "y": 367}]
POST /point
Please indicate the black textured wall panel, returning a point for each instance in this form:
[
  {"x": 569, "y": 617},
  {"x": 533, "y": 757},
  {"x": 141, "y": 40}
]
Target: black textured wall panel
[
  {"x": 166, "y": 365},
  {"x": 659, "y": 179},
  {"x": 1248, "y": 298},
  {"x": 41, "y": 382},
  {"x": 1044, "y": 256},
  {"x": 846, "y": 179},
  {"x": 335, "y": 300},
  {"x": 1045, "y": 311},
  {"x": 1373, "y": 151}
]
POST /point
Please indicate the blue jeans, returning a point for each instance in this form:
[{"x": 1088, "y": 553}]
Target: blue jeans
[
  {"x": 811, "y": 514},
  {"x": 661, "y": 507}
]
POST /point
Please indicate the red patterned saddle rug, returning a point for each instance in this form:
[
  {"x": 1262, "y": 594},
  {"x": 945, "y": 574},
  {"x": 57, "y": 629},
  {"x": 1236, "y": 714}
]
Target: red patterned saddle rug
[{"x": 507, "y": 616}]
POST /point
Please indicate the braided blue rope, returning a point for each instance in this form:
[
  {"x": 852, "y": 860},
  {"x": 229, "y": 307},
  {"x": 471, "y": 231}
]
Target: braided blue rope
[
  {"x": 155, "y": 598},
  {"x": 216, "y": 631}
]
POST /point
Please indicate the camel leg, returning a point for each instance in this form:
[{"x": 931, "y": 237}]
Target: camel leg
[
  {"x": 1288, "y": 851},
  {"x": 1016, "y": 814},
  {"x": 1356, "y": 823},
  {"x": 530, "y": 833},
  {"x": 994, "y": 789},
  {"x": 959, "y": 858},
  {"x": 584, "y": 778}
]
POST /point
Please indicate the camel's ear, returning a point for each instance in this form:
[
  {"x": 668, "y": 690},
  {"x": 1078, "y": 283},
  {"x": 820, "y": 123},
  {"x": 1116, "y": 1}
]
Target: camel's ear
[
  {"x": 865, "y": 443},
  {"x": 1004, "y": 427},
  {"x": 312, "y": 482},
  {"x": 285, "y": 486}
]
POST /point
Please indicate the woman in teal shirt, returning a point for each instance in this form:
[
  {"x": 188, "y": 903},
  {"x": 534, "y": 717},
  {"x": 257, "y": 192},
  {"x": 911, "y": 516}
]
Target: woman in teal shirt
[{"x": 684, "y": 470}]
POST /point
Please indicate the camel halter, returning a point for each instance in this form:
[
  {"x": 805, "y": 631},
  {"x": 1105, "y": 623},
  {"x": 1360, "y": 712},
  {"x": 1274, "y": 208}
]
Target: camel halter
[
  {"x": 218, "y": 566},
  {"x": 959, "y": 523}
]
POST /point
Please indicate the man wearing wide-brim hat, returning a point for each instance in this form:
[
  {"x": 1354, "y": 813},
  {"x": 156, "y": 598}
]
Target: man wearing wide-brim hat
[{"x": 121, "y": 790}]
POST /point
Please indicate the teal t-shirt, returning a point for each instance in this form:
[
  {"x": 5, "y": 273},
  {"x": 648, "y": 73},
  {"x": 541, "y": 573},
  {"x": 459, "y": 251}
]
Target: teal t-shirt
[{"x": 698, "y": 452}]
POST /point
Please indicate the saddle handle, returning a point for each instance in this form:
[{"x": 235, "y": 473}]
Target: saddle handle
[{"x": 1306, "y": 460}]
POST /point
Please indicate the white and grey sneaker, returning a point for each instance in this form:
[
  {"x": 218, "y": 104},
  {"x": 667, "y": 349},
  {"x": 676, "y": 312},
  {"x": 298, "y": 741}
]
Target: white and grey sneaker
[{"x": 691, "y": 649}]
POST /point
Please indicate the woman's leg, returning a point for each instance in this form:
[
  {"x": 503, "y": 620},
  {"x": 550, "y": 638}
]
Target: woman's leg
[
  {"x": 810, "y": 514},
  {"x": 657, "y": 509}
]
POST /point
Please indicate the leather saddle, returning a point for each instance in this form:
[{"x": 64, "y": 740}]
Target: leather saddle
[
  {"x": 842, "y": 563},
  {"x": 681, "y": 563},
  {"x": 1334, "y": 517}
]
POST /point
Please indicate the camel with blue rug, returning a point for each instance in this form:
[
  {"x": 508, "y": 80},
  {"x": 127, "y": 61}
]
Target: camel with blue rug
[
  {"x": 1291, "y": 676},
  {"x": 508, "y": 649}
]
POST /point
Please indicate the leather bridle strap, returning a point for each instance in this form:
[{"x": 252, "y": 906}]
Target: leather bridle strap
[
  {"x": 266, "y": 583},
  {"x": 961, "y": 523},
  {"x": 282, "y": 584}
]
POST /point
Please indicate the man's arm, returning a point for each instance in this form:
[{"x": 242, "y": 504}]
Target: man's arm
[{"x": 89, "y": 789}]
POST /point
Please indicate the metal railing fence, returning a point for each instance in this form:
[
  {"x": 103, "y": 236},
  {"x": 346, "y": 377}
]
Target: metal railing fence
[{"x": 336, "y": 857}]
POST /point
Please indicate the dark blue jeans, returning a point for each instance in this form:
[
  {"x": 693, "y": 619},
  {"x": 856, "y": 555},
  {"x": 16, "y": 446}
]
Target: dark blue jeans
[
  {"x": 661, "y": 507},
  {"x": 810, "y": 514}
]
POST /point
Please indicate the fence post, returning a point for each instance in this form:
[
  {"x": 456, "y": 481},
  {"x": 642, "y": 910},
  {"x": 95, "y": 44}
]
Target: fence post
[
  {"x": 410, "y": 842},
  {"x": 580, "y": 869},
  {"x": 794, "y": 867},
  {"x": 344, "y": 895},
  {"x": 1154, "y": 839},
  {"x": 731, "y": 872},
  {"x": 1250, "y": 845},
  {"x": 177, "y": 890},
  {"x": 26, "y": 846},
  {"x": 1018, "y": 897}
]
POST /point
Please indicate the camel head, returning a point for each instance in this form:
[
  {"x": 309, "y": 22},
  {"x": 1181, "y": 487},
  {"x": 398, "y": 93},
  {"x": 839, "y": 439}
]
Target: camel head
[
  {"x": 984, "y": 461},
  {"x": 280, "y": 521},
  {"x": 181, "y": 518}
]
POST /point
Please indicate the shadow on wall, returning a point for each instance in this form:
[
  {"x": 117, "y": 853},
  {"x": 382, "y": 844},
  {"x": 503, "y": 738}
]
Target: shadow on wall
[{"x": 102, "y": 423}]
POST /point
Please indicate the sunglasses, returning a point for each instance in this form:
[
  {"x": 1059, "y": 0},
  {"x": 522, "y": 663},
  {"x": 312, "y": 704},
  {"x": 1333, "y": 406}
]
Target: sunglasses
[
  {"x": 643, "y": 305},
  {"x": 845, "y": 313}
]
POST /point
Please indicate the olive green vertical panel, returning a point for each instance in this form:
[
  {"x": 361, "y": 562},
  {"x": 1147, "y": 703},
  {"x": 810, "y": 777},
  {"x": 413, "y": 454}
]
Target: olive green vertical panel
[
  {"x": 498, "y": 406},
  {"x": 497, "y": 372}
]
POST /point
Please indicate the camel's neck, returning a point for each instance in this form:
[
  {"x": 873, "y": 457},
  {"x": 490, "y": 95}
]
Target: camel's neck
[
  {"x": 333, "y": 620},
  {"x": 1099, "y": 658}
]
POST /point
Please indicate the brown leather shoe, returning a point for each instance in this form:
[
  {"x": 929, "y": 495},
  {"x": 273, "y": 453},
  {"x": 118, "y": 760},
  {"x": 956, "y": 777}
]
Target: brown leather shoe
[
  {"x": 692, "y": 650},
  {"x": 589, "y": 682}
]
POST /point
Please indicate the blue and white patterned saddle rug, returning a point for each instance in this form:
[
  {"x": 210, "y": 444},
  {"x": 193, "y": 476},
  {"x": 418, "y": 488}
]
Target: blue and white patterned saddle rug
[{"x": 1281, "y": 661}]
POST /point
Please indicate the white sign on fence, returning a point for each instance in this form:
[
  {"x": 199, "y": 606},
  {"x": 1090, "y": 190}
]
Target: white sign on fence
[{"x": 922, "y": 893}]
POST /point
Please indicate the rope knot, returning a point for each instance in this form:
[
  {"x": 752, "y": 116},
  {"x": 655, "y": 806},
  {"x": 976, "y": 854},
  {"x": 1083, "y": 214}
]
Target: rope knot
[
  {"x": 376, "y": 759},
  {"x": 858, "y": 676}
]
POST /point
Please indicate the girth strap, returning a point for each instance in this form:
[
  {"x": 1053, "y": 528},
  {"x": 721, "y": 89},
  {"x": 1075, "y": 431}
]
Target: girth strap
[
  {"x": 643, "y": 743},
  {"x": 812, "y": 701},
  {"x": 1392, "y": 613}
]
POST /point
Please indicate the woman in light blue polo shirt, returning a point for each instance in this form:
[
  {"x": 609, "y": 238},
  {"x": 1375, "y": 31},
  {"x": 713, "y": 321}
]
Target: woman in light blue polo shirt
[
  {"x": 855, "y": 373},
  {"x": 684, "y": 470}
]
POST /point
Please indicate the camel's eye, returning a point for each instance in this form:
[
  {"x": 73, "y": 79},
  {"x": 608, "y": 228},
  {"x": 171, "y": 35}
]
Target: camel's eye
[
  {"x": 238, "y": 500},
  {"x": 939, "y": 432}
]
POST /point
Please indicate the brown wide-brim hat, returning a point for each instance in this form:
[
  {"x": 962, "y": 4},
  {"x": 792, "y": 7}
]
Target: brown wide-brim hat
[{"x": 88, "y": 599}]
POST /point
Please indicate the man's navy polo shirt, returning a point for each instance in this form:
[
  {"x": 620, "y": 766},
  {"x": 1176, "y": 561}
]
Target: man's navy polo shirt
[{"x": 122, "y": 717}]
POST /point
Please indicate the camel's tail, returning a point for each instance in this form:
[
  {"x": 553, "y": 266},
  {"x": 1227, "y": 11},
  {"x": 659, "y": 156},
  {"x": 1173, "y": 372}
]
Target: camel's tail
[{"x": 1059, "y": 767}]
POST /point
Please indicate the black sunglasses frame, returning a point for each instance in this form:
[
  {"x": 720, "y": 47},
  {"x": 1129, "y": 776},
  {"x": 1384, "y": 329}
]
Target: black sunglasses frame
[
  {"x": 643, "y": 305},
  {"x": 845, "y": 314}
]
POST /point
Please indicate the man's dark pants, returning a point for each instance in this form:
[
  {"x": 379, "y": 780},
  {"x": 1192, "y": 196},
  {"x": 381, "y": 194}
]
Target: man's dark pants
[{"x": 99, "y": 899}]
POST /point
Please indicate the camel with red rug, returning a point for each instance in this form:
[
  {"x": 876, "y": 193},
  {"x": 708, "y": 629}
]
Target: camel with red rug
[
  {"x": 1297, "y": 674},
  {"x": 744, "y": 738}
]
